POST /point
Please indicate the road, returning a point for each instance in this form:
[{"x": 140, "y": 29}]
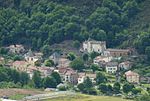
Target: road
[
  {"x": 47, "y": 96},
  {"x": 6, "y": 100}
]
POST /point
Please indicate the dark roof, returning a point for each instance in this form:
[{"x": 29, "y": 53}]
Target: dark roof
[
  {"x": 56, "y": 55},
  {"x": 30, "y": 53},
  {"x": 112, "y": 64}
]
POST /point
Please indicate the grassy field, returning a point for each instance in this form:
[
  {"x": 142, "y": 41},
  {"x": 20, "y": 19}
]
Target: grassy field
[
  {"x": 17, "y": 96},
  {"x": 81, "y": 97}
]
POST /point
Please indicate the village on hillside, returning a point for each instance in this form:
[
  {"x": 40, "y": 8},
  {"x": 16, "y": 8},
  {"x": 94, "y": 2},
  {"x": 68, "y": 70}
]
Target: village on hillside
[
  {"x": 112, "y": 61},
  {"x": 115, "y": 64}
]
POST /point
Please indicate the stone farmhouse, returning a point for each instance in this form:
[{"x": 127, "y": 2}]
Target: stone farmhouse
[
  {"x": 82, "y": 76},
  {"x": 31, "y": 57},
  {"x": 125, "y": 65},
  {"x": 132, "y": 77},
  {"x": 100, "y": 47},
  {"x": 94, "y": 46},
  {"x": 16, "y": 49},
  {"x": 68, "y": 74},
  {"x": 20, "y": 65}
]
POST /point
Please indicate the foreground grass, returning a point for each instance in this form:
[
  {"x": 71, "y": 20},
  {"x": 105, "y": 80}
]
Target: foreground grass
[
  {"x": 17, "y": 96},
  {"x": 81, "y": 97},
  {"x": 146, "y": 85}
]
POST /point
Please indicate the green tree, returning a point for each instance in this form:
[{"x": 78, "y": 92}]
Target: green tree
[
  {"x": 26, "y": 7},
  {"x": 93, "y": 55},
  {"x": 100, "y": 78},
  {"x": 46, "y": 50},
  {"x": 145, "y": 97},
  {"x": 81, "y": 87},
  {"x": 127, "y": 88},
  {"x": 94, "y": 67},
  {"x": 77, "y": 64},
  {"x": 71, "y": 56},
  {"x": 3, "y": 76},
  {"x": 17, "y": 58},
  {"x": 49, "y": 82},
  {"x": 49, "y": 63},
  {"x": 136, "y": 91},
  {"x": 110, "y": 88},
  {"x": 57, "y": 77},
  {"x": 3, "y": 50},
  {"x": 87, "y": 84},
  {"x": 24, "y": 78},
  {"x": 116, "y": 87},
  {"x": 17, "y": 3},
  {"x": 37, "y": 80},
  {"x": 147, "y": 52},
  {"x": 99, "y": 35},
  {"x": 131, "y": 7},
  {"x": 85, "y": 57},
  {"x": 76, "y": 44},
  {"x": 15, "y": 76},
  {"x": 103, "y": 88}
]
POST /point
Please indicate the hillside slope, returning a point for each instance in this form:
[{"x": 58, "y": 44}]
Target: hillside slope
[
  {"x": 142, "y": 20},
  {"x": 45, "y": 22}
]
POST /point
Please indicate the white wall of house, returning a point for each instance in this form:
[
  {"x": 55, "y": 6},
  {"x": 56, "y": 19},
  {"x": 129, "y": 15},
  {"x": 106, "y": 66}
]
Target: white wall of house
[
  {"x": 94, "y": 46},
  {"x": 133, "y": 79},
  {"x": 111, "y": 69},
  {"x": 81, "y": 79},
  {"x": 71, "y": 78},
  {"x": 102, "y": 59},
  {"x": 31, "y": 60}
]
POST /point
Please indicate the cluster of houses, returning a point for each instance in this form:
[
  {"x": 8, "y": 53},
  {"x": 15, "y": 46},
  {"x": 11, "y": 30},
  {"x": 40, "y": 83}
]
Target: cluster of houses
[{"x": 108, "y": 60}]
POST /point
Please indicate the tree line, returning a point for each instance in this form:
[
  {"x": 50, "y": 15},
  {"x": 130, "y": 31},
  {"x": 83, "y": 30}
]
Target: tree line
[
  {"x": 12, "y": 78},
  {"x": 45, "y": 22}
]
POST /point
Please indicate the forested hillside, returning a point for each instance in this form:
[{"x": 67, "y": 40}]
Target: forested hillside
[
  {"x": 139, "y": 33},
  {"x": 44, "y": 22}
]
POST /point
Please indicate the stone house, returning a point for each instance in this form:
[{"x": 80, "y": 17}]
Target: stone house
[
  {"x": 67, "y": 74},
  {"x": 55, "y": 57},
  {"x": 125, "y": 65},
  {"x": 94, "y": 46},
  {"x": 60, "y": 60},
  {"x": 45, "y": 71},
  {"x": 71, "y": 77},
  {"x": 82, "y": 76},
  {"x": 100, "y": 60},
  {"x": 111, "y": 67},
  {"x": 117, "y": 52},
  {"x": 16, "y": 49},
  {"x": 30, "y": 70},
  {"x": 20, "y": 65},
  {"x": 31, "y": 57},
  {"x": 132, "y": 77},
  {"x": 63, "y": 62}
]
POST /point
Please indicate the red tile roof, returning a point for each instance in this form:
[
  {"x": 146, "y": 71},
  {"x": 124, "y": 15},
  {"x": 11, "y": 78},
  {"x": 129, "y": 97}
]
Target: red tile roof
[
  {"x": 19, "y": 63},
  {"x": 130, "y": 73}
]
